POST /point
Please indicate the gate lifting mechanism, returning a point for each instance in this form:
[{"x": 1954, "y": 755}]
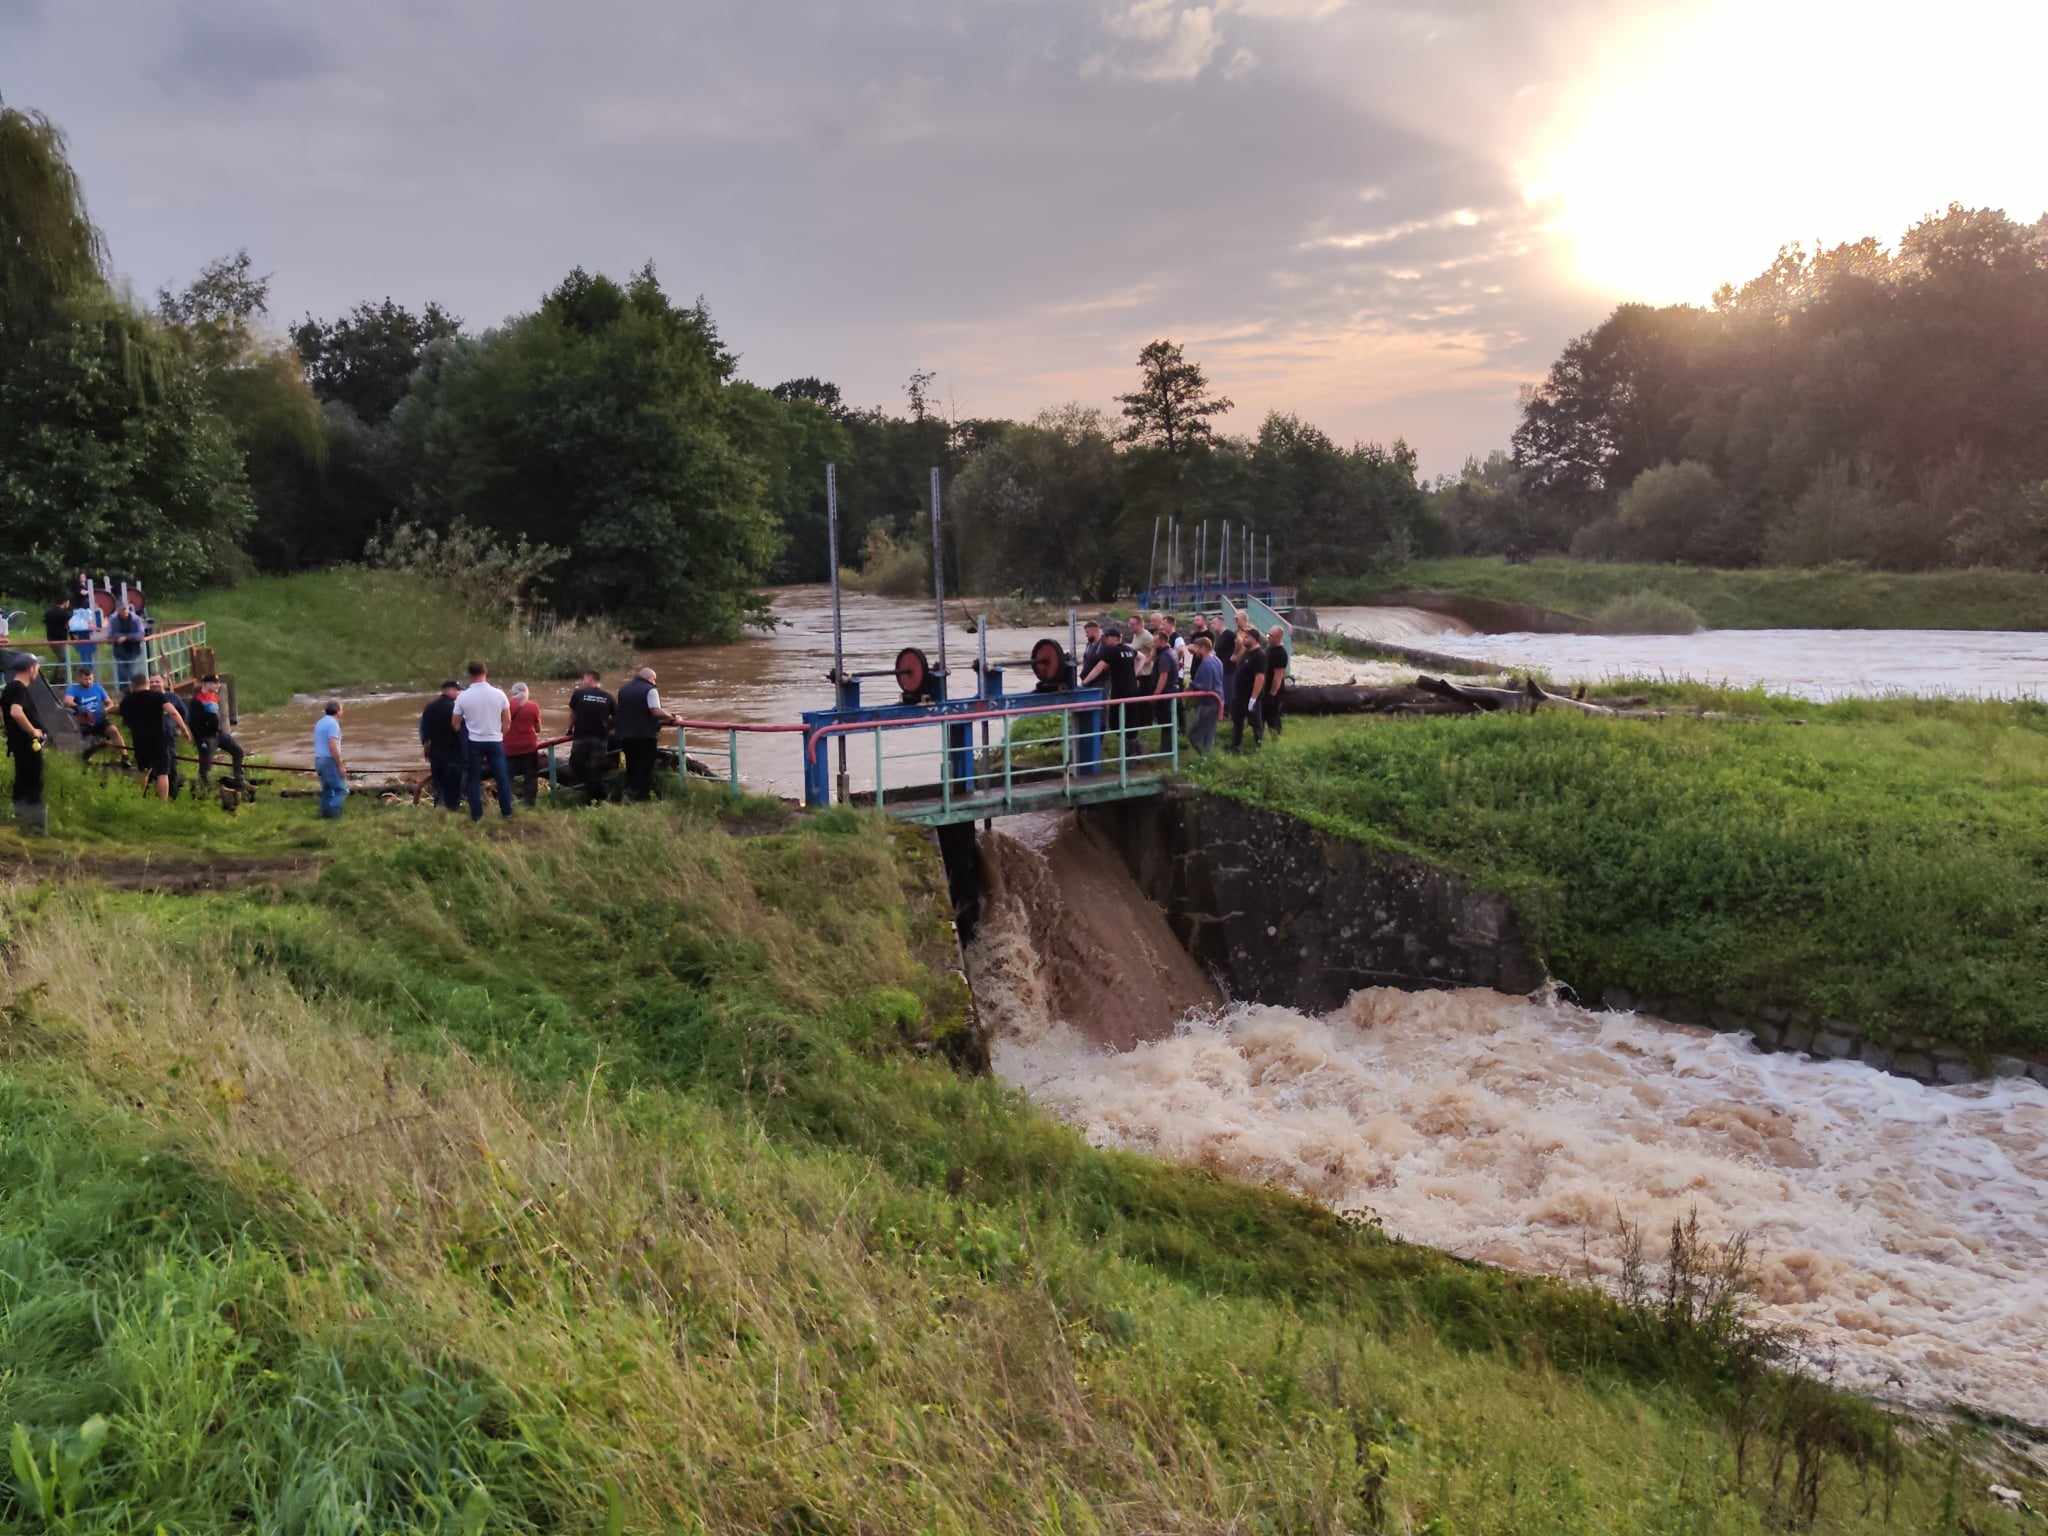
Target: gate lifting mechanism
[{"x": 925, "y": 693}]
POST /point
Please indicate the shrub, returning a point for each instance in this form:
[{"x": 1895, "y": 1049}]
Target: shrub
[
  {"x": 1666, "y": 506},
  {"x": 1647, "y": 612},
  {"x": 890, "y": 567}
]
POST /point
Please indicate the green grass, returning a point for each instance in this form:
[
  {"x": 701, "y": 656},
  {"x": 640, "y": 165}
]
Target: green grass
[
  {"x": 1831, "y": 597},
  {"x": 1885, "y": 863},
  {"x": 614, "y": 1168},
  {"x": 359, "y": 629}
]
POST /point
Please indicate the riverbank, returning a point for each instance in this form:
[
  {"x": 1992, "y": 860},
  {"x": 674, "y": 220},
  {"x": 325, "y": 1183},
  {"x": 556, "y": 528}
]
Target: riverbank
[
  {"x": 1830, "y": 597},
  {"x": 1879, "y": 862},
  {"x": 353, "y": 629},
  {"x": 657, "y": 1200}
]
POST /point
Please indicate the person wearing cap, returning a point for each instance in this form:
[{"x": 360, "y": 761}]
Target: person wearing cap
[
  {"x": 1116, "y": 667},
  {"x": 26, "y": 739},
  {"x": 441, "y": 746},
  {"x": 210, "y": 732}
]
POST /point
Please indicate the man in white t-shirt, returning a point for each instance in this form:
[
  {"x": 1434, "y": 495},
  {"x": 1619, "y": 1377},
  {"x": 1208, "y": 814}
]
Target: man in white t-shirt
[{"x": 482, "y": 713}]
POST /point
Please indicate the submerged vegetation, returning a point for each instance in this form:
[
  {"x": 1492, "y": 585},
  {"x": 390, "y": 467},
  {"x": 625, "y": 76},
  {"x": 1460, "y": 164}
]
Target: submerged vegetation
[
  {"x": 1646, "y": 613},
  {"x": 460, "y": 1184},
  {"x": 1876, "y": 861}
]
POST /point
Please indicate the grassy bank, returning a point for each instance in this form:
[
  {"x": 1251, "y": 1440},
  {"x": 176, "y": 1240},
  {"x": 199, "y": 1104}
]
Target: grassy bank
[
  {"x": 1832, "y": 597},
  {"x": 1882, "y": 863},
  {"x": 361, "y": 629},
  {"x": 611, "y": 1176}
]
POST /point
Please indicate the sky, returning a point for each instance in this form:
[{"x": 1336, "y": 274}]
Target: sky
[{"x": 1385, "y": 217}]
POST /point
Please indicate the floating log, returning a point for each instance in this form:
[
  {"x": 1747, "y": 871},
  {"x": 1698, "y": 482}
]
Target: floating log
[{"x": 1350, "y": 699}]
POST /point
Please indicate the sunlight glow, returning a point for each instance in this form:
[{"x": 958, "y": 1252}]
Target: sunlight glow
[{"x": 1693, "y": 148}]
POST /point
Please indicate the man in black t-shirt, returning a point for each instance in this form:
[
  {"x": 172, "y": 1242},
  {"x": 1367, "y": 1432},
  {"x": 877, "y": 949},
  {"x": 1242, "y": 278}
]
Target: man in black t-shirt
[
  {"x": 25, "y": 740},
  {"x": 1225, "y": 639},
  {"x": 1276, "y": 676},
  {"x": 593, "y": 717},
  {"x": 152, "y": 728},
  {"x": 1116, "y": 668},
  {"x": 1247, "y": 691},
  {"x": 441, "y": 745}
]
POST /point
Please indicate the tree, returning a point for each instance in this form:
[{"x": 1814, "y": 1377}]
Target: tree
[
  {"x": 816, "y": 391},
  {"x": 365, "y": 359},
  {"x": 919, "y": 391},
  {"x": 602, "y": 424},
  {"x": 1171, "y": 407},
  {"x": 1667, "y": 506},
  {"x": 1036, "y": 510},
  {"x": 110, "y": 451}
]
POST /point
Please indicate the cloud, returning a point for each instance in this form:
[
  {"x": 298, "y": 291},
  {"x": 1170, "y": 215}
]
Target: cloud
[
  {"x": 1365, "y": 240},
  {"x": 1167, "y": 40},
  {"x": 1133, "y": 297},
  {"x": 238, "y": 50}
]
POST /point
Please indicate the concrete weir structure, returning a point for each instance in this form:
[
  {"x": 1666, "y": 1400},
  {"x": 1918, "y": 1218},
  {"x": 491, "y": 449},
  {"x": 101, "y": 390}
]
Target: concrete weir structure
[
  {"x": 1284, "y": 914},
  {"x": 1289, "y": 915}
]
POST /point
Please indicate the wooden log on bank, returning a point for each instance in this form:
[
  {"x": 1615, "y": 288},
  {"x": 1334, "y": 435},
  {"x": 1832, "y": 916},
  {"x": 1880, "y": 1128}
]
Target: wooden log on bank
[{"x": 1350, "y": 699}]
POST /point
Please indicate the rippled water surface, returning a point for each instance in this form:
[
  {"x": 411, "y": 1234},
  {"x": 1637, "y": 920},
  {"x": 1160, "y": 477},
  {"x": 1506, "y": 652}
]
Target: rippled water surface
[{"x": 1809, "y": 663}]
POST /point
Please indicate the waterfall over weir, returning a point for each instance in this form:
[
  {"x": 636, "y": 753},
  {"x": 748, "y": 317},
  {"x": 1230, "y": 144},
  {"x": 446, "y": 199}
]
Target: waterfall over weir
[{"x": 1901, "y": 1229}]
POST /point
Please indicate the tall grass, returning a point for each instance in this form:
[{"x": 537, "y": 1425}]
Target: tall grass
[
  {"x": 1880, "y": 863},
  {"x": 1647, "y": 612},
  {"x": 1822, "y": 597},
  {"x": 622, "y": 1154}
]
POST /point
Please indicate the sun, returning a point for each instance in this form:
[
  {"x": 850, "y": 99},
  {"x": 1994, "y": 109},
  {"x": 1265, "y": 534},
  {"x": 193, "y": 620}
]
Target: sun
[{"x": 1691, "y": 148}]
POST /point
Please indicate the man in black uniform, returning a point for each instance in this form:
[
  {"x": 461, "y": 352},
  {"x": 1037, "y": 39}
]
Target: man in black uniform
[
  {"x": 641, "y": 718},
  {"x": 151, "y": 723},
  {"x": 1116, "y": 667},
  {"x": 1276, "y": 676},
  {"x": 1226, "y": 652},
  {"x": 592, "y": 717},
  {"x": 1247, "y": 692},
  {"x": 441, "y": 745},
  {"x": 25, "y": 741}
]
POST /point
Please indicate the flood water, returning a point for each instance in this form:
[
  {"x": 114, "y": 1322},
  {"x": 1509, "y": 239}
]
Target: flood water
[
  {"x": 1901, "y": 1230},
  {"x": 765, "y": 678},
  {"x": 1807, "y": 663}
]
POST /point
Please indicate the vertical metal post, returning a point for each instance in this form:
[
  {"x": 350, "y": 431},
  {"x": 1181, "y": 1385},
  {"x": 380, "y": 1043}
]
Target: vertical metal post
[
  {"x": 838, "y": 634},
  {"x": 981, "y": 631},
  {"x": 1223, "y": 558},
  {"x": 1152, "y": 560},
  {"x": 1201, "y": 553},
  {"x": 554, "y": 778},
  {"x": 1074, "y": 641},
  {"x": 1173, "y": 725},
  {"x": 1269, "y": 560},
  {"x": 1123, "y": 748},
  {"x": 938, "y": 571},
  {"x": 732, "y": 761},
  {"x": 878, "y": 768}
]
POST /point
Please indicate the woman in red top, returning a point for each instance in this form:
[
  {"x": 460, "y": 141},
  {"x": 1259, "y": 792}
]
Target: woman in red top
[{"x": 522, "y": 742}]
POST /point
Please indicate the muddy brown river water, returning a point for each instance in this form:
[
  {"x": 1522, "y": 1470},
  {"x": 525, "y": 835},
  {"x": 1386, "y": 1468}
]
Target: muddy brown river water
[{"x": 766, "y": 678}]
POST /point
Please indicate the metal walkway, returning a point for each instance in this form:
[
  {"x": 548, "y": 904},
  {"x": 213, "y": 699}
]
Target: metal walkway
[{"x": 996, "y": 756}]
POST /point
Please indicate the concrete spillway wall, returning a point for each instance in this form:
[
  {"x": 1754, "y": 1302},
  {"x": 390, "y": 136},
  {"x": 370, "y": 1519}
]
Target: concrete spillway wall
[
  {"x": 1283, "y": 913},
  {"x": 1288, "y": 915}
]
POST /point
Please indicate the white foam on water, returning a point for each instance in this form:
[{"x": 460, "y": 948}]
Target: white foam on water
[{"x": 1902, "y": 1230}]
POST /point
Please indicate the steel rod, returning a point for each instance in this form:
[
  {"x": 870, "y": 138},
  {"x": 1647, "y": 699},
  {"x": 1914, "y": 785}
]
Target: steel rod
[{"x": 938, "y": 571}]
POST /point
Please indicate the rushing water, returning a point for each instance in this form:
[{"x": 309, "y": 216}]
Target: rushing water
[
  {"x": 768, "y": 678},
  {"x": 1901, "y": 1230},
  {"x": 1810, "y": 663}
]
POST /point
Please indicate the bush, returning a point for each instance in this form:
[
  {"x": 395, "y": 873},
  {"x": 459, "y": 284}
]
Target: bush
[
  {"x": 1647, "y": 613},
  {"x": 890, "y": 567},
  {"x": 1667, "y": 506},
  {"x": 1836, "y": 518}
]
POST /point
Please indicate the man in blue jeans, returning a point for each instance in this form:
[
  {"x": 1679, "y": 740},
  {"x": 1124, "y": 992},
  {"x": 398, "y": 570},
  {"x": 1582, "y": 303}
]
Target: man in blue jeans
[
  {"x": 484, "y": 713},
  {"x": 327, "y": 760},
  {"x": 1208, "y": 678},
  {"x": 126, "y": 630}
]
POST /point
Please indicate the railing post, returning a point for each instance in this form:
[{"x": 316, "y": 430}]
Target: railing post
[
  {"x": 1123, "y": 748},
  {"x": 554, "y": 779},
  {"x": 878, "y": 767},
  {"x": 732, "y": 760},
  {"x": 682, "y": 761},
  {"x": 1008, "y": 736},
  {"x": 1173, "y": 735}
]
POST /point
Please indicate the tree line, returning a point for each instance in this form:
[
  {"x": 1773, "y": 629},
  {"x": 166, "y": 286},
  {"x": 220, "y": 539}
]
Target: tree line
[
  {"x": 191, "y": 442},
  {"x": 1850, "y": 404}
]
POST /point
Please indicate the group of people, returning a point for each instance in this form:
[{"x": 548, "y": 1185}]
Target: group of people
[
  {"x": 472, "y": 733},
  {"x": 75, "y": 627},
  {"x": 155, "y": 715},
  {"x": 1243, "y": 670}
]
